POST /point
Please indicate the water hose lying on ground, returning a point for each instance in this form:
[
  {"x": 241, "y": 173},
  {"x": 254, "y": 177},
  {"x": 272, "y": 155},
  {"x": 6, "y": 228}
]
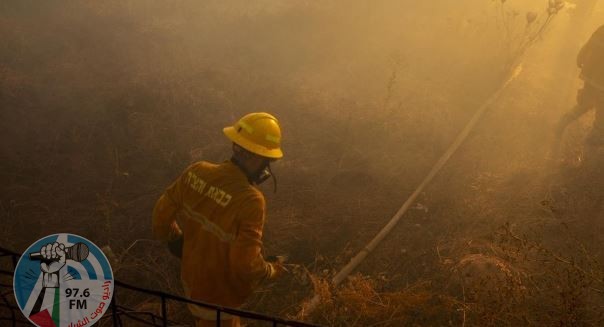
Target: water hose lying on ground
[{"x": 308, "y": 307}]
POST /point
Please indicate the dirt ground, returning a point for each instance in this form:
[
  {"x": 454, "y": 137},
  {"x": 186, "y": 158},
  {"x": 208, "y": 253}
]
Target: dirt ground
[{"x": 103, "y": 105}]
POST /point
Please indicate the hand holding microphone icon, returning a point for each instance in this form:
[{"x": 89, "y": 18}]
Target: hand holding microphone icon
[
  {"x": 53, "y": 257},
  {"x": 73, "y": 287}
]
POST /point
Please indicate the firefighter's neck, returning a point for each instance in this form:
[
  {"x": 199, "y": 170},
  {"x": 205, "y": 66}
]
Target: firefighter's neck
[{"x": 249, "y": 165}]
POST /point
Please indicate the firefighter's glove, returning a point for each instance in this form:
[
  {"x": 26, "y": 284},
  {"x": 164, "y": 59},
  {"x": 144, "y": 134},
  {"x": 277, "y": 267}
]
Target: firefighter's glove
[
  {"x": 175, "y": 246},
  {"x": 278, "y": 270},
  {"x": 176, "y": 240},
  {"x": 277, "y": 263}
]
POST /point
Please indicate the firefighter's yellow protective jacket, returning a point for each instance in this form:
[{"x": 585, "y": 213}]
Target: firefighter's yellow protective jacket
[{"x": 221, "y": 216}]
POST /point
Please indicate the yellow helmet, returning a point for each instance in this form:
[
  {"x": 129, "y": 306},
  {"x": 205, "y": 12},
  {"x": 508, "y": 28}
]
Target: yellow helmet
[{"x": 258, "y": 133}]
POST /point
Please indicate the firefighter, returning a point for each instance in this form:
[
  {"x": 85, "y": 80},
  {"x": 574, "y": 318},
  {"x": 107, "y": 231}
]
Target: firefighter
[
  {"x": 591, "y": 62},
  {"x": 213, "y": 216}
]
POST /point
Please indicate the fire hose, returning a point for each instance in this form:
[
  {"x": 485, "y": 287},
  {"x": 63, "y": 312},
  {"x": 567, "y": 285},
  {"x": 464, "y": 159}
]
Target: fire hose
[{"x": 461, "y": 137}]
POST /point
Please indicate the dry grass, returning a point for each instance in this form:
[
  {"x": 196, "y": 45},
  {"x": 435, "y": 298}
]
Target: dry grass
[{"x": 96, "y": 129}]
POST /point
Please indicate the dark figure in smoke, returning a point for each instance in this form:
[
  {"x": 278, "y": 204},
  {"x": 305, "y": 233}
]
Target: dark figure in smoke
[{"x": 591, "y": 62}]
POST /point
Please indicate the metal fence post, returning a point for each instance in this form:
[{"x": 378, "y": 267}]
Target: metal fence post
[
  {"x": 12, "y": 311},
  {"x": 117, "y": 312},
  {"x": 164, "y": 312},
  {"x": 114, "y": 317}
]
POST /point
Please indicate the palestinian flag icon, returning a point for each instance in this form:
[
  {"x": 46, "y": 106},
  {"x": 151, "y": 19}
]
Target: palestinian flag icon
[
  {"x": 63, "y": 280},
  {"x": 42, "y": 319}
]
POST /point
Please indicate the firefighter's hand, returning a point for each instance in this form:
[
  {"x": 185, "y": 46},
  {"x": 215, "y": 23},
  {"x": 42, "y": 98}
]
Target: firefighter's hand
[
  {"x": 279, "y": 269},
  {"x": 277, "y": 262}
]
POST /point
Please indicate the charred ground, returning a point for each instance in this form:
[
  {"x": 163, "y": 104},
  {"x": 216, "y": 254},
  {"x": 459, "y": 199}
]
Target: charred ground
[{"x": 102, "y": 106}]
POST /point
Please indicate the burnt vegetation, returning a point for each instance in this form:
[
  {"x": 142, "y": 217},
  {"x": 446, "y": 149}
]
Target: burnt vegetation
[{"x": 103, "y": 104}]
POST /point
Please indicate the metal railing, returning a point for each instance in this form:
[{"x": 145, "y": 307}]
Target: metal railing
[{"x": 117, "y": 312}]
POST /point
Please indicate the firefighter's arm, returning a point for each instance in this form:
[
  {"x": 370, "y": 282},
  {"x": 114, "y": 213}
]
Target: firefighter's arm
[
  {"x": 583, "y": 53},
  {"x": 164, "y": 224},
  {"x": 246, "y": 255},
  {"x": 596, "y": 40}
]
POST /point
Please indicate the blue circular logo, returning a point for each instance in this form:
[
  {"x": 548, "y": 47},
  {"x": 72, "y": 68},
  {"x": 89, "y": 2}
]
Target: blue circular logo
[{"x": 63, "y": 280}]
